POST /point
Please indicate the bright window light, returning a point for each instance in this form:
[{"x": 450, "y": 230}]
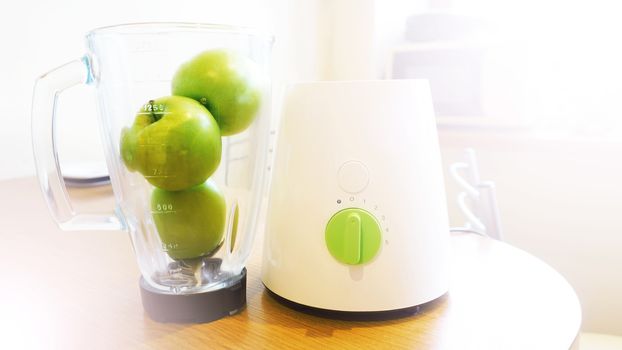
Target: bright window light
[{"x": 573, "y": 61}]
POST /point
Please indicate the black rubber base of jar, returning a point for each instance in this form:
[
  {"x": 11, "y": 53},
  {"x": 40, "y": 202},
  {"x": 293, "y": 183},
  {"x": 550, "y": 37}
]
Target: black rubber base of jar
[
  {"x": 194, "y": 308},
  {"x": 357, "y": 315}
]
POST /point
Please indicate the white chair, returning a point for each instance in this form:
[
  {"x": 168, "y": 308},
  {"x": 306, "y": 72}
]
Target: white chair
[{"x": 477, "y": 201}]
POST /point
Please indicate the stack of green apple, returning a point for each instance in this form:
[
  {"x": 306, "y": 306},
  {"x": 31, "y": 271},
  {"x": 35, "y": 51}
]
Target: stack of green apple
[{"x": 175, "y": 143}]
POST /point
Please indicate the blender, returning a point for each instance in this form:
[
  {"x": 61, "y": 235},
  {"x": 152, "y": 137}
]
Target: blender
[
  {"x": 184, "y": 118},
  {"x": 375, "y": 231}
]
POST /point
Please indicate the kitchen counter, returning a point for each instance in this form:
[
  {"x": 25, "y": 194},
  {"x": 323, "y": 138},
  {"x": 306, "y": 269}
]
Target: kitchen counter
[{"x": 79, "y": 290}]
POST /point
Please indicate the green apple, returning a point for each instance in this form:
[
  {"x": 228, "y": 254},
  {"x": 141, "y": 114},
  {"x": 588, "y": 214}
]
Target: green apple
[
  {"x": 174, "y": 143},
  {"x": 191, "y": 222},
  {"x": 227, "y": 83}
]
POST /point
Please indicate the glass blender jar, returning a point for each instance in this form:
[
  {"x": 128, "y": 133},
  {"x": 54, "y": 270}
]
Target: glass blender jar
[{"x": 184, "y": 117}]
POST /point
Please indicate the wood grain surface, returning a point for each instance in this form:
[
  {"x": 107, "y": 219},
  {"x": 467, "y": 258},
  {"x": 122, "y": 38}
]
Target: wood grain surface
[{"x": 79, "y": 290}]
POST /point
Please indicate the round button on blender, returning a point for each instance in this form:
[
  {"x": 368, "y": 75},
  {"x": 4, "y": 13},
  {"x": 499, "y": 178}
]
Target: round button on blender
[
  {"x": 353, "y": 176},
  {"x": 353, "y": 236}
]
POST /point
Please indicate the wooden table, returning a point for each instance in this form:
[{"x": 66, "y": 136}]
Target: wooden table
[{"x": 79, "y": 290}]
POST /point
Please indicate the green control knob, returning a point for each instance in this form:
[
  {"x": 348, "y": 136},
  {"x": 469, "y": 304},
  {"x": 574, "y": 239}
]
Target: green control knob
[{"x": 353, "y": 236}]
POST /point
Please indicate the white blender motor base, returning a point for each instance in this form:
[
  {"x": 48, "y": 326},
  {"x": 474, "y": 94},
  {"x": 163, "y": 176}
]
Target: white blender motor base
[{"x": 370, "y": 146}]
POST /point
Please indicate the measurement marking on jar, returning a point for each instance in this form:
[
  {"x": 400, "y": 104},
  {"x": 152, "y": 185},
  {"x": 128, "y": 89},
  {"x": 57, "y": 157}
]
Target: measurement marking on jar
[
  {"x": 166, "y": 246},
  {"x": 163, "y": 212},
  {"x": 164, "y": 207},
  {"x": 152, "y": 146},
  {"x": 150, "y": 113}
]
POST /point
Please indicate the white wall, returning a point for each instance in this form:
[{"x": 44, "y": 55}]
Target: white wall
[
  {"x": 357, "y": 35},
  {"x": 560, "y": 200}
]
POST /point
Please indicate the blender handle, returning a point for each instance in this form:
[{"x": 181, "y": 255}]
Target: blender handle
[{"x": 44, "y": 103}]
